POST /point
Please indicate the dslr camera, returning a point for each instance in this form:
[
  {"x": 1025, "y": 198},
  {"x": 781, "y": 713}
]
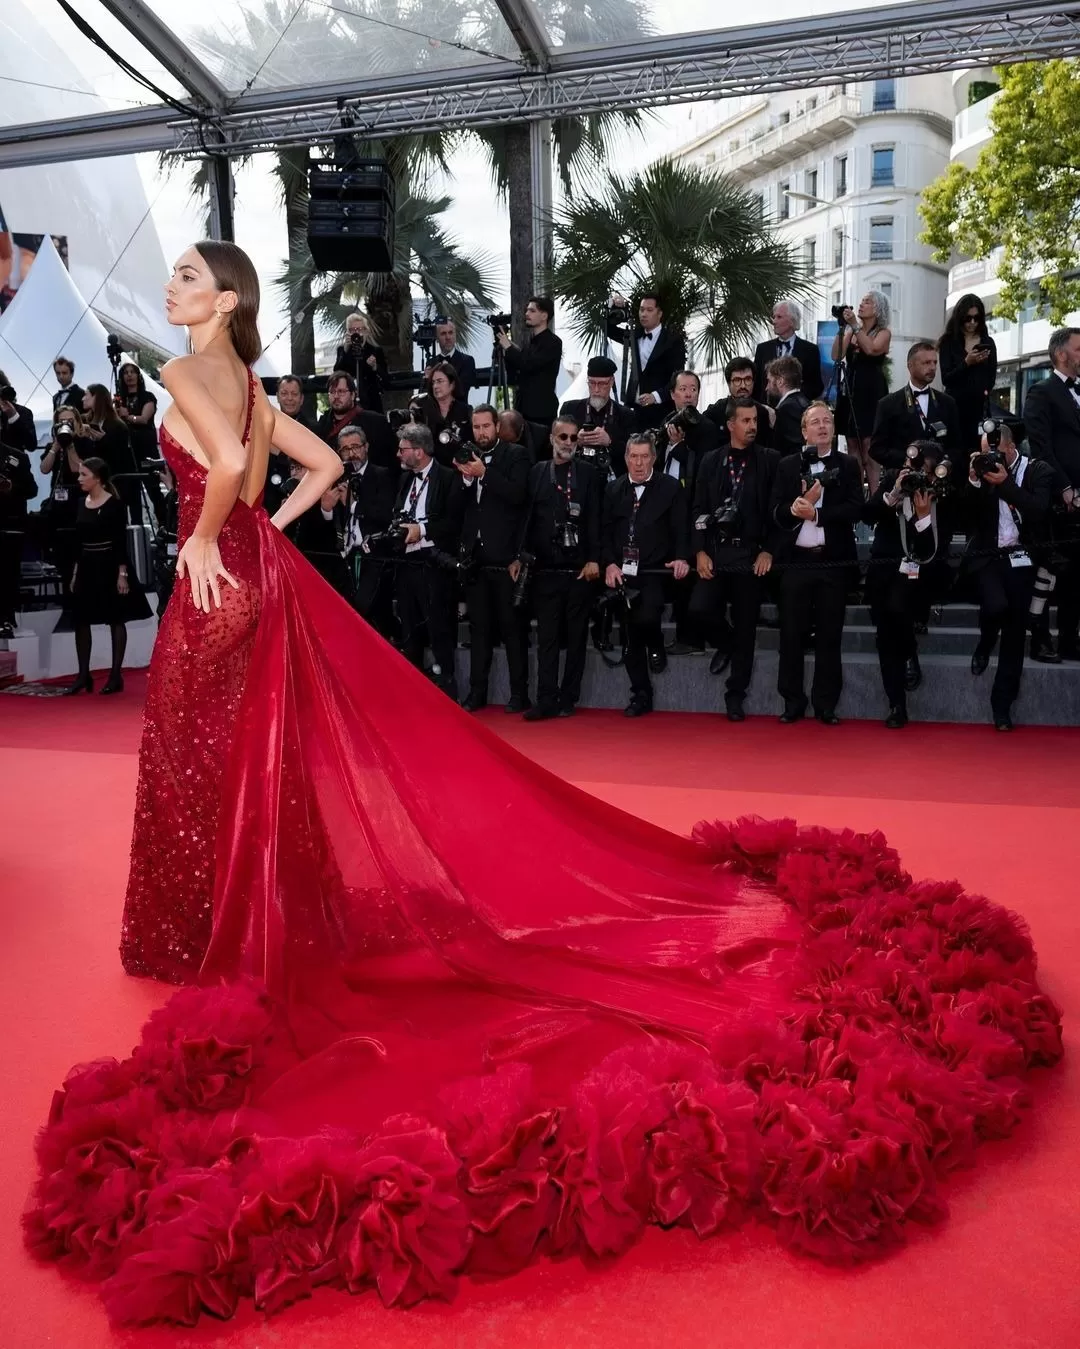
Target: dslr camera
[
  {"x": 7, "y": 393},
  {"x": 923, "y": 476},
  {"x": 808, "y": 459},
  {"x": 389, "y": 540},
  {"x": 63, "y": 433},
  {"x": 499, "y": 321},
  {"x": 684, "y": 420},
  {"x": 838, "y": 312},
  {"x": 724, "y": 520},
  {"x": 990, "y": 459}
]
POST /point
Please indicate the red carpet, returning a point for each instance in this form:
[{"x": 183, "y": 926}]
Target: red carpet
[{"x": 998, "y": 811}]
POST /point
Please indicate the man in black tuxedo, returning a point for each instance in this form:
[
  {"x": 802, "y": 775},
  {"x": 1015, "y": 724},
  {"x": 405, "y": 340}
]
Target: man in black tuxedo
[
  {"x": 345, "y": 411},
  {"x": 732, "y": 529},
  {"x": 496, "y": 484},
  {"x": 815, "y": 507},
  {"x": 17, "y": 487},
  {"x": 1052, "y": 418},
  {"x": 319, "y": 535},
  {"x": 786, "y": 321},
  {"x": 533, "y": 368},
  {"x": 909, "y": 571},
  {"x": 429, "y": 504},
  {"x": 17, "y": 429},
  {"x": 605, "y": 424},
  {"x": 367, "y": 507},
  {"x": 290, "y": 399},
  {"x": 659, "y": 353},
  {"x": 916, "y": 412},
  {"x": 515, "y": 430},
  {"x": 739, "y": 374},
  {"x": 782, "y": 379},
  {"x": 645, "y": 527},
  {"x": 562, "y": 532},
  {"x": 463, "y": 363},
  {"x": 69, "y": 394},
  {"x": 1008, "y": 510}
]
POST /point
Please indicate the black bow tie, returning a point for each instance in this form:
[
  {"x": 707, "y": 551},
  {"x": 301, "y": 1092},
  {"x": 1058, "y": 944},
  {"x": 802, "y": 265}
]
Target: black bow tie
[
  {"x": 647, "y": 337},
  {"x": 1072, "y": 384},
  {"x": 920, "y": 393}
]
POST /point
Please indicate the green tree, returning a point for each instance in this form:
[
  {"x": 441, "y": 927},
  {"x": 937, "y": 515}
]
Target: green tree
[
  {"x": 694, "y": 236},
  {"x": 1023, "y": 195}
]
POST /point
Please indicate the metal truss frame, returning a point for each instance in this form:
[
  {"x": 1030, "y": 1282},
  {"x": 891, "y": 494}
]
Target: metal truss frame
[{"x": 899, "y": 40}]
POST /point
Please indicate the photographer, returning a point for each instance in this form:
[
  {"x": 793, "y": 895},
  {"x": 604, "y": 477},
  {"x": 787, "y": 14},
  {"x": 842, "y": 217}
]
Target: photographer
[
  {"x": 17, "y": 487},
  {"x": 657, "y": 355},
  {"x": 495, "y": 477},
  {"x": 605, "y": 424},
  {"x": 428, "y": 509},
  {"x": 290, "y": 399},
  {"x": 782, "y": 380},
  {"x": 533, "y": 368},
  {"x": 1052, "y": 417},
  {"x": 739, "y": 375},
  {"x": 562, "y": 534},
  {"x": 367, "y": 508},
  {"x": 1009, "y": 505},
  {"x": 361, "y": 358},
  {"x": 644, "y": 528},
  {"x": 166, "y": 540},
  {"x": 69, "y": 394},
  {"x": 444, "y": 410},
  {"x": 16, "y": 422},
  {"x": 345, "y": 411},
  {"x": 463, "y": 363},
  {"x": 909, "y": 568},
  {"x": 70, "y": 446},
  {"x": 968, "y": 357},
  {"x": 817, "y": 500},
  {"x": 915, "y": 412},
  {"x": 732, "y": 527},
  {"x": 860, "y": 350},
  {"x": 137, "y": 409},
  {"x": 515, "y": 430},
  {"x": 319, "y": 534}
]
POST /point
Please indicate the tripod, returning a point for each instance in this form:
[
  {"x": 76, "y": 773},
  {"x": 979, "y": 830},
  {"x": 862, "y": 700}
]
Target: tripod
[
  {"x": 497, "y": 378},
  {"x": 140, "y": 506}
]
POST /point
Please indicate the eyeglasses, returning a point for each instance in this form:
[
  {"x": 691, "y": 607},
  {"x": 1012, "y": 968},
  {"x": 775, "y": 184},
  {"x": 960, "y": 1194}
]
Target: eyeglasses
[
  {"x": 973, "y": 317},
  {"x": 565, "y": 435}
]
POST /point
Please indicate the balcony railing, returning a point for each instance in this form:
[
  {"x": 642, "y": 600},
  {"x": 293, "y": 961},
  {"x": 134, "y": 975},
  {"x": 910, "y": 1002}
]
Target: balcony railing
[
  {"x": 973, "y": 121},
  {"x": 765, "y": 146}
]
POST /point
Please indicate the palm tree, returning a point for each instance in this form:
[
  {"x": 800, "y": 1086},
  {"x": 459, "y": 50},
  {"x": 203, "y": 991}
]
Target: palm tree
[{"x": 694, "y": 236}]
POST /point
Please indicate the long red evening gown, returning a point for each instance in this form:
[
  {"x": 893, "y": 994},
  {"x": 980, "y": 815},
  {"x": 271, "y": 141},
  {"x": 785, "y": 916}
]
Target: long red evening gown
[{"x": 452, "y": 1014}]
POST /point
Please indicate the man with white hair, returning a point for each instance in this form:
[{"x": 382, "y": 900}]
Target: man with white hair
[{"x": 786, "y": 320}]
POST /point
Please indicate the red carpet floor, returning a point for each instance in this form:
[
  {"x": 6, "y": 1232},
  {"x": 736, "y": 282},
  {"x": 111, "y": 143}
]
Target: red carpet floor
[{"x": 999, "y": 812}]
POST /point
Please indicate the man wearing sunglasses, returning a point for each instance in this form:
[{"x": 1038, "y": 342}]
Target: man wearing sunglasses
[{"x": 562, "y": 532}]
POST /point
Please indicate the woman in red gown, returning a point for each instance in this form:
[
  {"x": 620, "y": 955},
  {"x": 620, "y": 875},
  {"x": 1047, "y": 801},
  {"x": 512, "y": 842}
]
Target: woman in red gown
[{"x": 449, "y": 1014}]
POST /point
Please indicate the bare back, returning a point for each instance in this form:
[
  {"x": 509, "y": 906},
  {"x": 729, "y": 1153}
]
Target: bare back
[{"x": 228, "y": 382}]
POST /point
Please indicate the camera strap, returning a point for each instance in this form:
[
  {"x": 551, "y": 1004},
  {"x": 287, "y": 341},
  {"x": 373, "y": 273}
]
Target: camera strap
[
  {"x": 905, "y": 538},
  {"x": 926, "y": 417},
  {"x": 568, "y": 492}
]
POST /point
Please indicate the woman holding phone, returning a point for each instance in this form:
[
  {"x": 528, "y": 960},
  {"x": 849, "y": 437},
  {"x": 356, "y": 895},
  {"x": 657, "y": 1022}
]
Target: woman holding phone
[{"x": 968, "y": 362}]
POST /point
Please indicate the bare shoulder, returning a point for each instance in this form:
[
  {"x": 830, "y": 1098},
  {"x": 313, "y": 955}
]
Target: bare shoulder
[{"x": 183, "y": 371}]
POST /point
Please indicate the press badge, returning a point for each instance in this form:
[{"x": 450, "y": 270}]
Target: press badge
[
  {"x": 1020, "y": 559},
  {"x": 630, "y": 560},
  {"x": 909, "y": 568},
  {"x": 60, "y": 494},
  {"x": 172, "y": 550}
]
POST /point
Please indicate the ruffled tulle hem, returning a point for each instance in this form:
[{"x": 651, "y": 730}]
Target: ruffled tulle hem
[{"x": 916, "y": 1018}]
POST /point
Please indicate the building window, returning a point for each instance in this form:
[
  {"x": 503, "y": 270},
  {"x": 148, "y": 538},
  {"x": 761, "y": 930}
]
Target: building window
[
  {"x": 810, "y": 187},
  {"x": 886, "y": 289},
  {"x": 840, "y": 174},
  {"x": 785, "y": 117},
  {"x": 837, "y": 298},
  {"x": 809, "y": 249},
  {"x": 783, "y": 201},
  {"x": 884, "y": 95},
  {"x": 881, "y": 239},
  {"x": 881, "y": 174},
  {"x": 838, "y": 248},
  {"x": 759, "y": 201}
]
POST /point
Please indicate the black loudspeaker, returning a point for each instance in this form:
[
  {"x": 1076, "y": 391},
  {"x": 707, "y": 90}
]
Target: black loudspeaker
[{"x": 351, "y": 216}]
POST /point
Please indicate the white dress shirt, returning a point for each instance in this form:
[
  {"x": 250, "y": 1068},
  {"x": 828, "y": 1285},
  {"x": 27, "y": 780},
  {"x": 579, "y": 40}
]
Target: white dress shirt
[
  {"x": 811, "y": 534},
  {"x": 639, "y": 487},
  {"x": 1073, "y": 389},
  {"x": 646, "y": 345},
  {"x": 420, "y": 513},
  {"x": 922, "y": 399},
  {"x": 1009, "y": 520}
]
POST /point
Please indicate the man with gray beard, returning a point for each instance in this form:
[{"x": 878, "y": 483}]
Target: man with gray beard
[{"x": 604, "y": 423}]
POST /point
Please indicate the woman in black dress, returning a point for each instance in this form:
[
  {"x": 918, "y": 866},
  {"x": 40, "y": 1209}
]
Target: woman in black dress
[
  {"x": 365, "y": 360},
  {"x": 860, "y": 349},
  {"x": 968, "y": 362},
  {"x": 444, "y": 409},
  {"x": 113, "y": 444},
  {"x": 60, "y": 462},
  {"x": 137, "y": 409},
  {"x": 103, "y": 587}
]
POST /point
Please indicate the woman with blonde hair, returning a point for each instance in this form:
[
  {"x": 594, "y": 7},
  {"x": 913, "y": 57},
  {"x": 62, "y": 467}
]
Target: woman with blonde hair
[{"x": 860, "y": 350}]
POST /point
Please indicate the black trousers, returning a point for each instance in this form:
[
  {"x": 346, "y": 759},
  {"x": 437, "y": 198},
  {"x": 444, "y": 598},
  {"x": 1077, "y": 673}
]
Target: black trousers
[
  {"x": 1004, "y": 599},
  {"x": 11, "y": 550},
  {"x": 425, "y": 596},
  {"x": 688, "y": 627},
  {"x": 812, "y": 597},
  {"x": 489, "y": 599},
  {"x": 643, "y": 632},
  {"x": 1067, "y": 596},
  {"x": 562, "y": 605},
  {"x": 896, "y": 603},
  {"x": 373, "y": 591},
  {"x": 742, "y": 594}
]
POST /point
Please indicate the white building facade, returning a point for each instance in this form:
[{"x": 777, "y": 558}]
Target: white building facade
[
  {"x": 839, "y": 170},
  {"x": 1021, "y": 343}
]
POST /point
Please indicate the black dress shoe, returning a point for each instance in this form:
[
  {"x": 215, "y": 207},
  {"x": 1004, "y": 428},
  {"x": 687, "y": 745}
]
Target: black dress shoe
[
  {"x": 720, "y": 661},
  {"x": 681, "y": 649},
  {"x": 637, "y": 707},
  {"x": 658, "y": 661},
  {"x": 827, "y": 717},
  {"x": 792, "y": 712},
  {"x": 83, "y": 684},
  {"x": 1044, "y": 653},
  {"x": 114, "y": 684},
  {"x": 518, "y": 703},
  {"x": 735, "y": 711},
  {"x": 1002, "y": 721},
  {"x": 980, "y": 660},
  {"x": 912, "y": 674},
  {"x": 897, "y": 718},
  {"x": 566, "y": 710},
  {"x": 6, "y": 631},
  {"x": 473, "y": 702},
  {"x": 541, "y": 712}
]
